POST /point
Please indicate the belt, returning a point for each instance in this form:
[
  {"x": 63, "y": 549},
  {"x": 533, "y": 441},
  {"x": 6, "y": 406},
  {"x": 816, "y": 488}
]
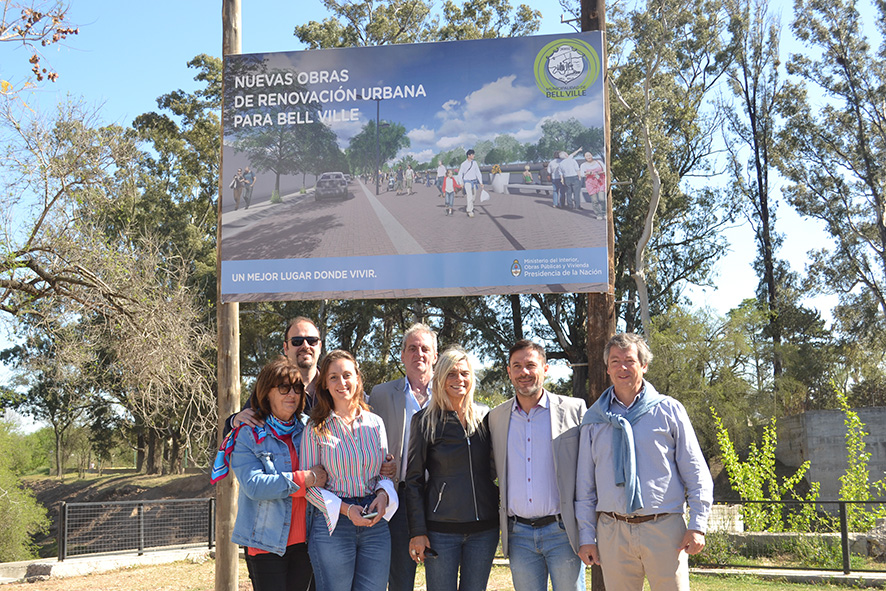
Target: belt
[
  {"x": 538, "y": 521},
  {"x": 632, "y": 518}
]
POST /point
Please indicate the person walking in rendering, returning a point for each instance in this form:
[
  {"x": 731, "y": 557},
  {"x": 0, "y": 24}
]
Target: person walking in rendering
[
  {"x": 470, "y": 177},
  {"x": 450, "y": 186},
  {"x": 249, "y": 185},
  {"x": 571, "y": 182},
  {"x": 237, "y": 184}
]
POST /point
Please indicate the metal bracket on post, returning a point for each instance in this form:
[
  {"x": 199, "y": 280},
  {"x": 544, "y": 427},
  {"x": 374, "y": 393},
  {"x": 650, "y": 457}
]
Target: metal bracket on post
[{"x": 62, "y": 531}]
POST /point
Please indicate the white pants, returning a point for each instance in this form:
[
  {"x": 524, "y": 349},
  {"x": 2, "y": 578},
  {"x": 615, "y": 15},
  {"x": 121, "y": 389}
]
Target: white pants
[{"x": 469, "y": 191}]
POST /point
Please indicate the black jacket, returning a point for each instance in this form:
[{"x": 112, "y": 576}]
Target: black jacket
[{"x": 459, "y": 494}]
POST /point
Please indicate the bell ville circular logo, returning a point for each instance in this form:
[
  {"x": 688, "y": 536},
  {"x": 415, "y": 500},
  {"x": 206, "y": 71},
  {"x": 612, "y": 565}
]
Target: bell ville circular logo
[{"x": 566, "y": 68}]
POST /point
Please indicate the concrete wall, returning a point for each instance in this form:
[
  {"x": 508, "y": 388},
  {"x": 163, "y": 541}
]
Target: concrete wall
[{"x": 820, "y": 437}]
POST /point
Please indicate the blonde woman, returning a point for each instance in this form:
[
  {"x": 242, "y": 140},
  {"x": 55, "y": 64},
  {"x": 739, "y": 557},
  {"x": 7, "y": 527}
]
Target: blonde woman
[{"x": 453, "y": 512}]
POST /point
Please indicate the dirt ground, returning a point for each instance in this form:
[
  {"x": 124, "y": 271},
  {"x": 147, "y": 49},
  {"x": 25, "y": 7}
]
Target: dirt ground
[{"x": 177, "y": 576}]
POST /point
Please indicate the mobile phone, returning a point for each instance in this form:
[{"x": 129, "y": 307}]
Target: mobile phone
[
  {"x": 370, "y": 515},
  {"x": 430, "y": 552}
]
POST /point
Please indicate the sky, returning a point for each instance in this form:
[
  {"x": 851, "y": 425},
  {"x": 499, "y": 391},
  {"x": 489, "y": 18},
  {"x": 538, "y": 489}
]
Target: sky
[
  {"x": 129, "y": 53},
  {"x": 447, "y": 105}
]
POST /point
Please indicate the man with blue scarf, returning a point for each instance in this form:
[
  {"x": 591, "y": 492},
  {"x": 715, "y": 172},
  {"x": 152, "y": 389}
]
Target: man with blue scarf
[{"x": 639, "y": 463}]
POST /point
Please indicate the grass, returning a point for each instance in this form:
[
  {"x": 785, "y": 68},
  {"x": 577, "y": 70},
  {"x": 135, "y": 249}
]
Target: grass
[{"x": 200, "y": 576}]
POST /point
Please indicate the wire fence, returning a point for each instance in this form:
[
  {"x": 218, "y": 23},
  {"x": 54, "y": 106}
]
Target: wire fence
[
  {"x": 830, "y": 547},
  {"x": 127, "y": 526}
]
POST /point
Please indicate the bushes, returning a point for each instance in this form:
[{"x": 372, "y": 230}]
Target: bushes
[
  {"x": 755, "y": 480},
  {"x": 20, "y": 513}
]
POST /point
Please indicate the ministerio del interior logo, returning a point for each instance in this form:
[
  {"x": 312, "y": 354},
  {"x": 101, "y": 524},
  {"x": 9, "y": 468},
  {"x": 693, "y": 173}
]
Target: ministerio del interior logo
[{"x": 566, "y": 68}]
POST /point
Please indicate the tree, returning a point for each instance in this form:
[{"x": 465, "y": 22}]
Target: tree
[
  {"x": 51, "y": 368},
  {"x": 667, "y": 58},
  {"x": 754, "y": 80},
  {"x": 50, "y": 164},
  {"x": 384, "y": 22},
  {"x": 22, "y": 516},
  {"x": 836, "y": 160},
  {"x": 32, "y": 25},
  {"x": 367, "y": 23},
  {"x": 391, "y": 139},
  {"x": 178, "y": 176},
  {"x": 86, "y": 250},
  {"x": 486, "y": 19}
]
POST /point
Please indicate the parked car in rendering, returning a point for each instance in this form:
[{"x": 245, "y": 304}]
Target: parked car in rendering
[{"x": 331, "y": 184}]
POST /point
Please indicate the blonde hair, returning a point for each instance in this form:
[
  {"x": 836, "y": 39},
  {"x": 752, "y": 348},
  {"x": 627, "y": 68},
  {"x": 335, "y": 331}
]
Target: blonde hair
[{"x": 439, "y": 404}]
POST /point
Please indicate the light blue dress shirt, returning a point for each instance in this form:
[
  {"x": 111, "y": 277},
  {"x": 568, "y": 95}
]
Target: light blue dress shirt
[
  {"x": 532, "y": 480},
  {"x": 670, "y": 465}
]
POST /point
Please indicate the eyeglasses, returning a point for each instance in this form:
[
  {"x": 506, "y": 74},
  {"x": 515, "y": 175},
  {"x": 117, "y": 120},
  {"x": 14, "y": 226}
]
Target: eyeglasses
[
  {"x": 285, "y": 389},
  {"x": 298, "y": 341}
]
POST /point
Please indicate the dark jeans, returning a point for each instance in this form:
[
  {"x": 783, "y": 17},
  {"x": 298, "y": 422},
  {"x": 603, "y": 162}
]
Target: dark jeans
[
  {"x": 402, "y": 574},
  {"x": 290, "y": 572}
]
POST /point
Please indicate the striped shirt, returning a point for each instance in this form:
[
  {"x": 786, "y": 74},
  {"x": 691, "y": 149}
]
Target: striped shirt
[{"x": 352, "y": 455}]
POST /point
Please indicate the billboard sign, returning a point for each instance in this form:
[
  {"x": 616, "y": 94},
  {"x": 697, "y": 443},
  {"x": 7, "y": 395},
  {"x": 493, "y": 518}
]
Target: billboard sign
[{"x": 335, "y": 166}]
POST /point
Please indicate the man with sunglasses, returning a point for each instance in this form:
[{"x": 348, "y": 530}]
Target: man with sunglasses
[
  {"x": 396, "y": 402},
  {"x": 302, "y": 345}
]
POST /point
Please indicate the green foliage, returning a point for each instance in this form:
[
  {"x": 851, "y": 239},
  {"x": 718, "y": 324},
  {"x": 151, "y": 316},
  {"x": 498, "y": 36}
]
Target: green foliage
[
  {"x": 275, "y": 197},
  {"x": 855, "y": 483},
  {"x": 700, "y": 359},
  {"x": 755, "y": 480},
  {"x": 835, "y": 156},
  {"x": 384, "y": 22},
  {"x": 361, "y": 149},
  {"x": 21, "y": 515}
]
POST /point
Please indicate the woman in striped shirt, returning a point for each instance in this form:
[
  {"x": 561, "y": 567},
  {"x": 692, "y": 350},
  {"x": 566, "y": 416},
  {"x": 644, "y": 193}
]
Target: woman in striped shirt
[{"x": 350, "y": 546}]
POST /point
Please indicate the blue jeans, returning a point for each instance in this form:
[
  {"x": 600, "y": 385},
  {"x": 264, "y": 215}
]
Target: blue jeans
[
  {"x": 352, "y": 558},
  {"x": 402, "y": 573},
  {"x": 450, "y": 199},
  {"x": 472, "y": 554},
  {"x": 538, "y": 552},
  {"x": 573, "y": 192},
  {"x": 557, "y": 192}
]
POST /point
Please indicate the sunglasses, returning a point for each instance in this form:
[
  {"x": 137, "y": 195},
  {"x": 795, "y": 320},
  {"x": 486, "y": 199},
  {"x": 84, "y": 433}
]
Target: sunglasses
[
  {"x": 285, "y": 389},
  {"x": 299, "y": 341}
]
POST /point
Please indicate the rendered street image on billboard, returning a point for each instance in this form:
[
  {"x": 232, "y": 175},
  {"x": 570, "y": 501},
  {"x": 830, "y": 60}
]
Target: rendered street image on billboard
[{"x": 457, "y": 168}]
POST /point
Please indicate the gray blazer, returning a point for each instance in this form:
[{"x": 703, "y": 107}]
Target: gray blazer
[
  {"x": 566, "y": 415},
  {"x": 388, "y": 400}
]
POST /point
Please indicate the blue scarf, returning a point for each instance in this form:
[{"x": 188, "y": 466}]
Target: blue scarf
[
  {"x": 624, "y": 450},
  {"x": 278, "y": 428}
]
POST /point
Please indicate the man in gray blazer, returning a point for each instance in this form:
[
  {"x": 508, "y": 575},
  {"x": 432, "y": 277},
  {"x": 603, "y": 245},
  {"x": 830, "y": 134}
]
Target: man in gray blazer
[
  {"x": 535, "y": 439},
  {"x": 396, "y": 402}
]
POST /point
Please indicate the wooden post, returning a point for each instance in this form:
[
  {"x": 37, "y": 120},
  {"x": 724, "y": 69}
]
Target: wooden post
[
  {"x": 601, "y": 306},
  {"x": 226, "y": 558}
]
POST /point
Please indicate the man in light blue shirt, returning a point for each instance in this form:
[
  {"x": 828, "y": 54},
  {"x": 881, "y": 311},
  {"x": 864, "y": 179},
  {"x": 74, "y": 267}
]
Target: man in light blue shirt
[
  {"x": 470, "y": 177},
  {"x": 535, "y": 446},
  {"x": 395, "y": 402},
  {"x": 639, "y": 463}
]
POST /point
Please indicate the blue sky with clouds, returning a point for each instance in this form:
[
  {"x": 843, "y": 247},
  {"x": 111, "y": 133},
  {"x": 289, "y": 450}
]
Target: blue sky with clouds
[{"x": 461, "y": 103}]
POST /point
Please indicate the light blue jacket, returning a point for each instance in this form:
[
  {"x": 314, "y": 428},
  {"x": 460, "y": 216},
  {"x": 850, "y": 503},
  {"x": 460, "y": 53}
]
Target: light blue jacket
[{"x": 264, "y": 471}]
